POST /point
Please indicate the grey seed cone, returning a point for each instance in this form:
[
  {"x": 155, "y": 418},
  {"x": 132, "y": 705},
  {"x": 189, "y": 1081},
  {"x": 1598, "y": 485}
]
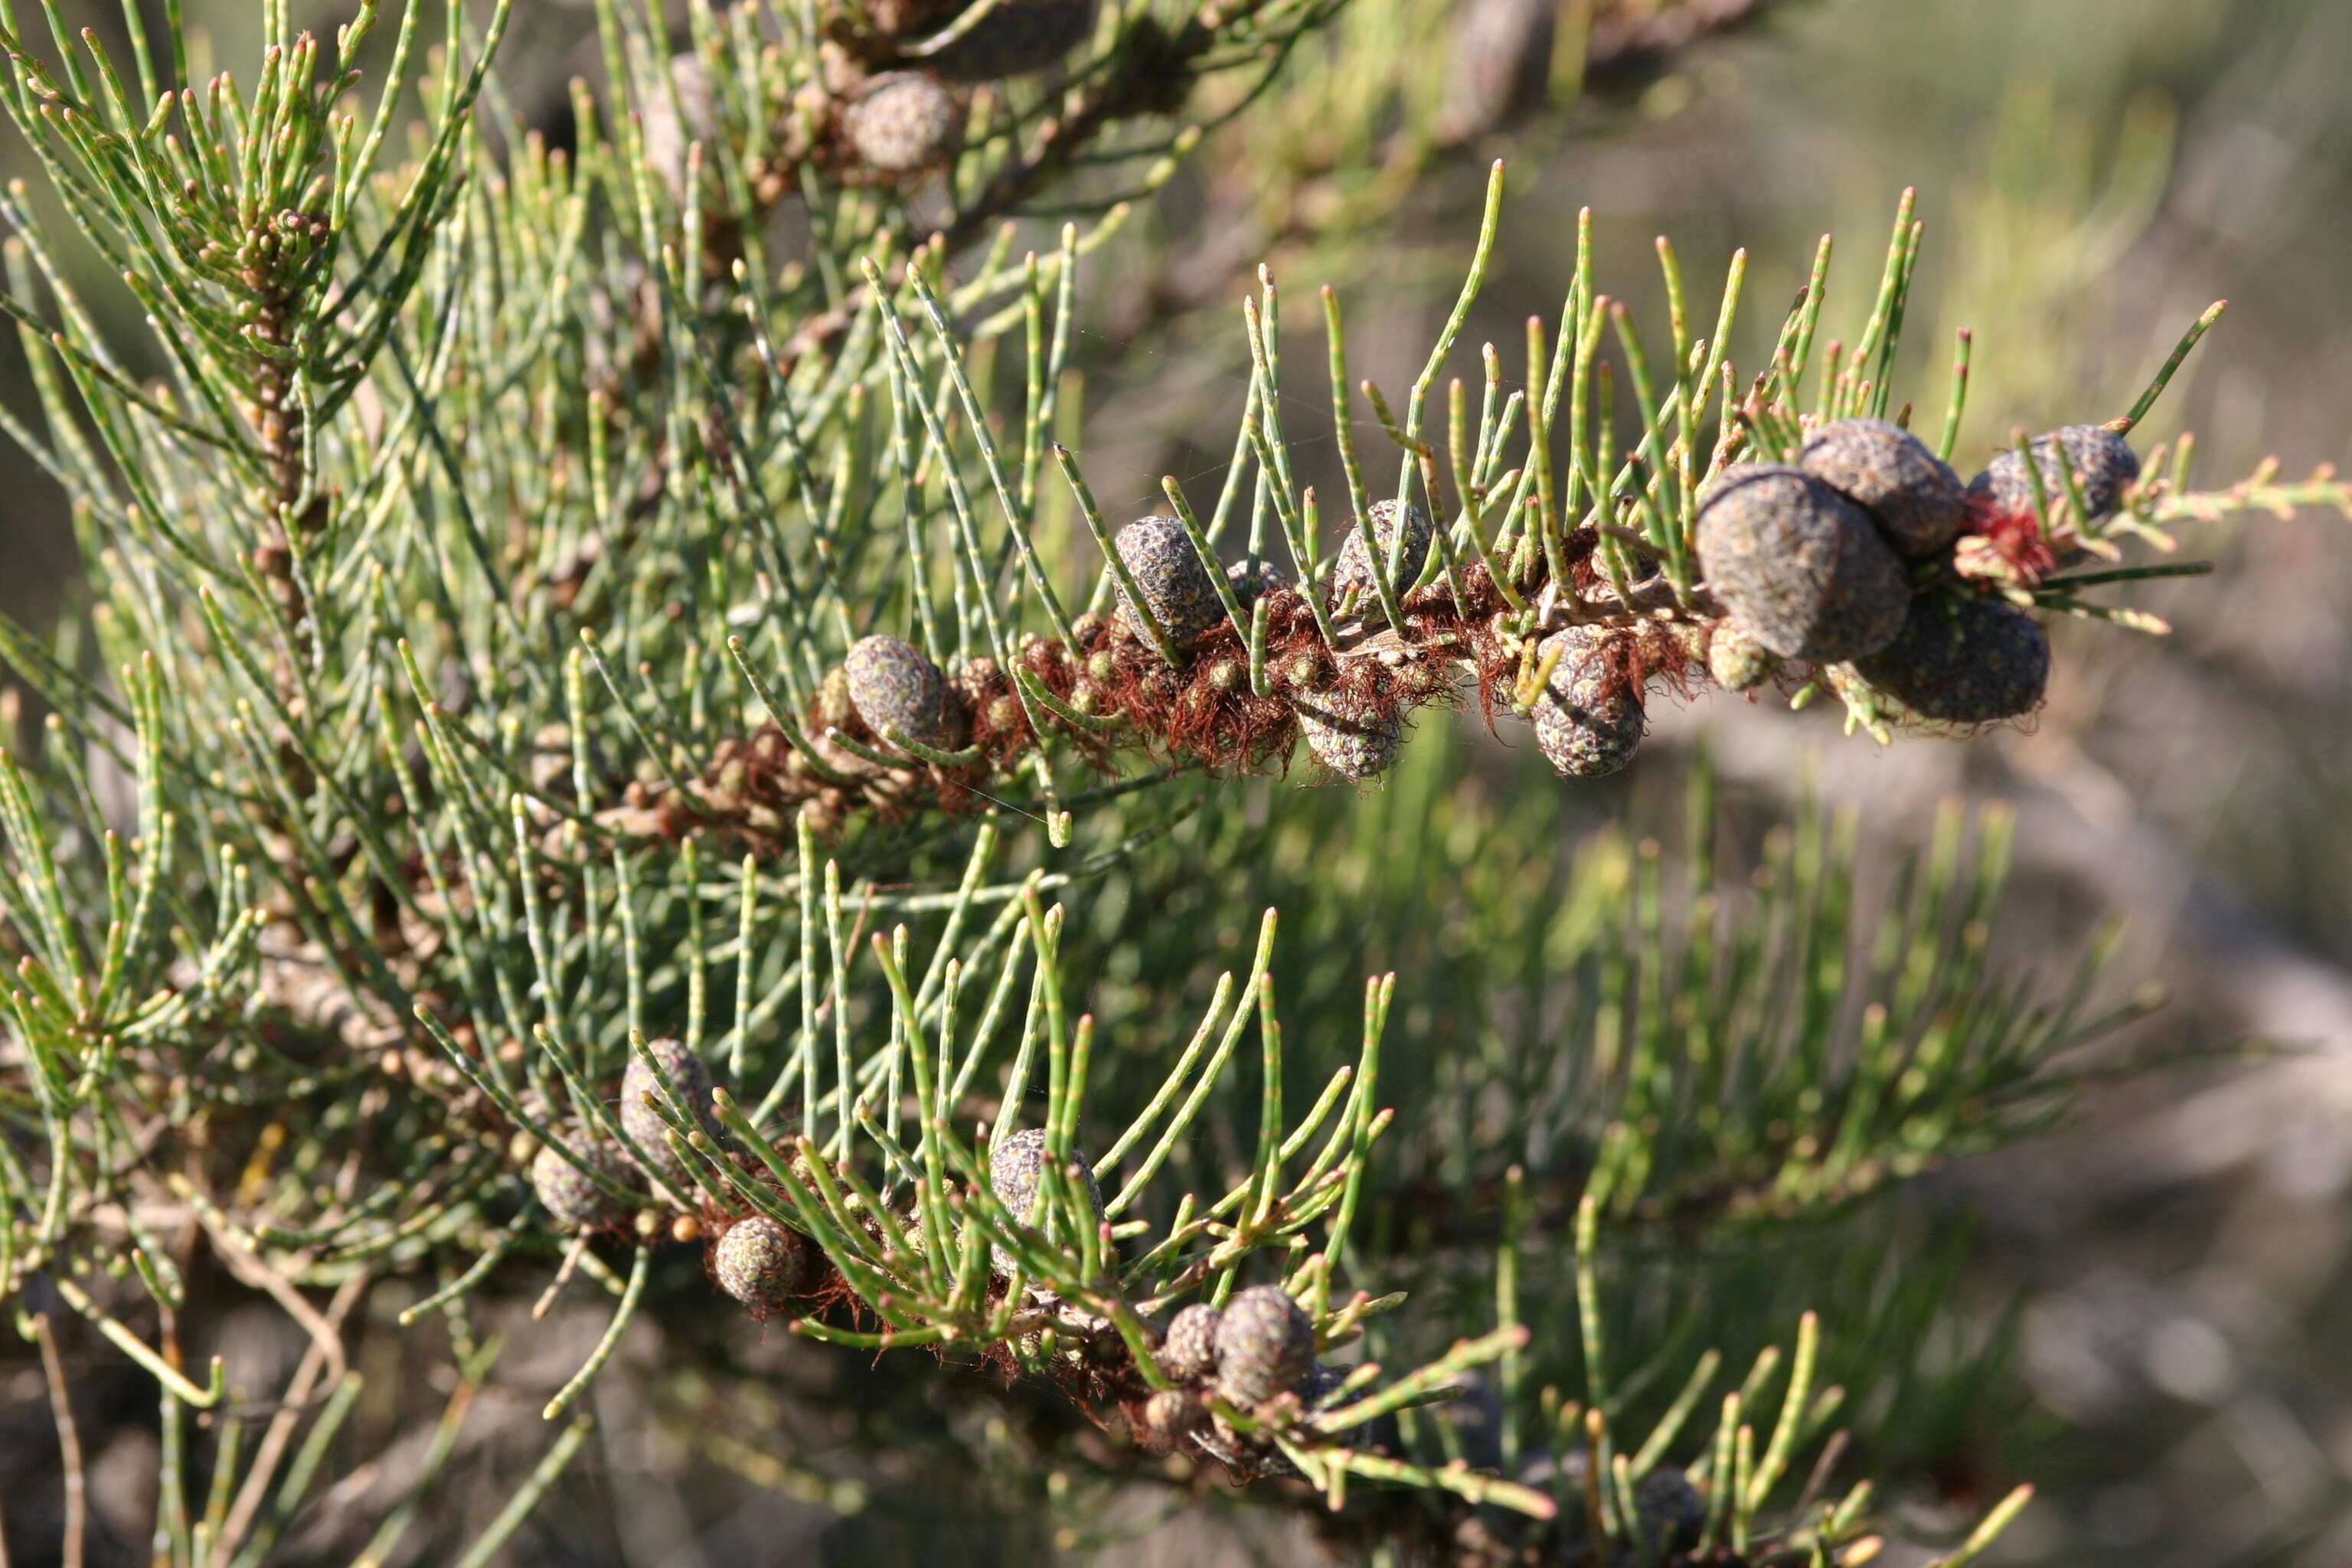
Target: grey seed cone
[
  {"x": 975, "y": 682},
  {"x": 915, "y": 1250},
  {"x": 903, "y": 123},
  {"x": 687, "y": 1083},
  {"x": 1266, "y": 1345},
  {"x": 1799, "y": 566},
  {"x": 1178, "y": 590},
  {"x": 893, "y": 687},
  {"x": 1170, "y": 1417},
  {"x": 1738, "y": 661},
  {"x": 2098, "y": 456},
  {"x": 1961, "y": 659},
  {"x": 1913, "y": 495},
  {"x": 1188, "y": 1352},
  {"x": 1017, "y": 37},
  {"x": 1354, "y": 569},
  {"x": 1012, "y": 1171},
  {"x": 1347, "y": 732},
  {"x": 1269, "y": 579},
  {"x": 758, "y": 1262},
  {"x": 575, "y": 1201},
  {"x": 1587, "y": 730},
  {"x": 1669, "y": 1512}
]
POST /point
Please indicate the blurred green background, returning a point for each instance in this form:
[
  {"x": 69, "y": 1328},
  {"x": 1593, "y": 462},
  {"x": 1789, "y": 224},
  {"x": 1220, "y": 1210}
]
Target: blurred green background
[{"x": 2091, "y": 173}]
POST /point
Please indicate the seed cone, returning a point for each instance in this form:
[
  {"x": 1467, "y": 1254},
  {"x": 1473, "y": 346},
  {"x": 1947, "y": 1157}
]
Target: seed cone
[
  {"x": 1270, "y": 579},
  {"x": 1355, "y": 569},
  {"x": 573, "y": 1200},
  {"x": 687, "y": 1082},
  {"x": 893, "y": 687},
  {"x": 1348, "y": 732},
  {"x": 1175, "y": 586},
  {"x": 1012, "y": 1172},
  {"x": 1738, "y": 661},
  {"x": 1266, "y": 1345},
  {"x": 1017, "y": 37},
  {"x": 1911, "y": 493},
  {"x": 977, "y": 683},
  {"x": 2098, "y": 456},
  {"x": 1170, "y": 1415},
  {"x": 758, "y": 1262},
  {"x": 1799, "y": 566},
  {"x": 1669, "y": 1512},
  {"x": 1588, "y": 722},
  {"x": 903, "y": 123},
  {"x": 914, "y": 1249},
  {"x": 1961, "y": 659},
  {"x": 1188, "y": 1352}
]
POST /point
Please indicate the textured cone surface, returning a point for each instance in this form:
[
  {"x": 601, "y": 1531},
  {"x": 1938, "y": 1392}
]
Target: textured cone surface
[
  {"x": 1170, "y": 1415},
  {"x": 1738, "y": 661},
  {"x": 975, "y": 681},
  {"x": 1801, "y": 568},
  {"x": 688, "y": 1082},
  {"x": 1961, "y": 659},
  {"x": 903, "y": 123},
  {"x": 894, "y": 688},
  {"x": 1913, "y": 495},
  {"x": 1270, "y": 579},
  {"x": 1012, "y": 1171},
  {"x": 1355, "y": 569},
  {"x": 913, "y": 1251},
  {"x": 1266, "y": 1345},
  {"x": 1669, "y": 1511},
  {"x": 1587, "y": 730},
  {"x": 2098, "y": 456},
  {"x": 1179, "y": 591},
  {"x": 573, "y": 1200},
  {"x": 1189, "y": 1350},
  {"x": 1347, "y": 732},
  {"x": 758, "y": 1262},
  {"x": 1017, "y": 37}
]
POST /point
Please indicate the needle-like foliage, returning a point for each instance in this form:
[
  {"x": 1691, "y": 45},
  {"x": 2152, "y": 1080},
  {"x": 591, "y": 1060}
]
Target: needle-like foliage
[{"x": 605, "y": 711}]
